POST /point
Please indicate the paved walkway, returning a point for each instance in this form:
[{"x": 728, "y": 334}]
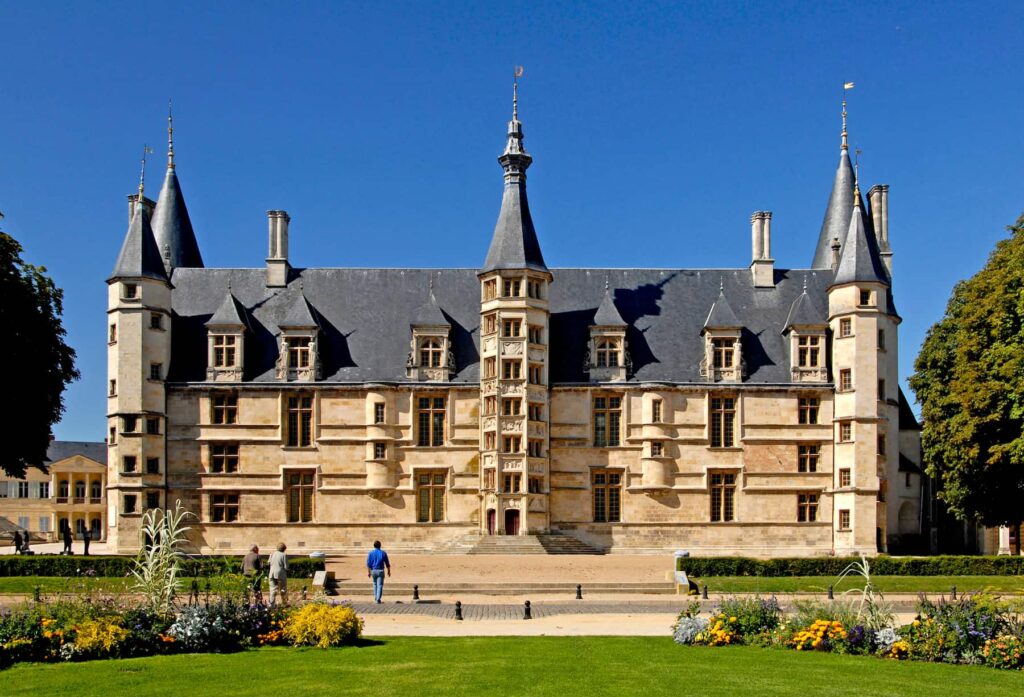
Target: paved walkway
[{"x": 503, "y": 611}]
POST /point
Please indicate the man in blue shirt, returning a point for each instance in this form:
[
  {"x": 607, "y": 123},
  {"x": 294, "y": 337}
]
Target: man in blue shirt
[{"x": 376, "y": 562}]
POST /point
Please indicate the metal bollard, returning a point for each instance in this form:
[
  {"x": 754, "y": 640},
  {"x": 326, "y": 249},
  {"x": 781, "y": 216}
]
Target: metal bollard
[
  {"x": 527, "y": 613},
  {"x": 458, "y": 609},
  {"x": 415, "y": 592},
  {"x": 35, "y": 595},
  {"x": 704, "y": 592},
  {"x": 952, "y": 596},
  {"x": 830, "y": 595},
  {"x": 579, "y": 592}
]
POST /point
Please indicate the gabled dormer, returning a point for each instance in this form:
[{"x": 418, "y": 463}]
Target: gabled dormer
[
  {"x": 806, "y": 327},
  {"x": 225, "y": 332},
  {"x": 299, "y": 357},
  {"x": 723, "y": 351},
  {"x": 607, "y": 358},
  {"x": 430, "y": 355}
]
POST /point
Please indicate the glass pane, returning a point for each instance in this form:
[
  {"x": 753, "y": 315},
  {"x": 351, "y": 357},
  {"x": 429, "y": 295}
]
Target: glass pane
[
  {"x": 613, "y": 504},
  {"x": 599, "y": 505},
  {"x": 438, "y": 505},
  {"x": 307, "y": 505},
  {"x": 423, "y": 510}
]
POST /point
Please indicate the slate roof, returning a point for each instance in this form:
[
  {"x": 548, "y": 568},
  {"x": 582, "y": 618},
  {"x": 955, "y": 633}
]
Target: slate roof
[
  {"x": 139, "y": 257},
  {"x": 298, "y": 314},
  {"x": 859, "y": 259},
  {"x": 63, "y": 449},
  {"x": 365, "y": 314},
  {"x": 805, "y": 313},
  {"x": 429, "y": 313},
  {"x": 514, "y": 244},
  {"x": 908, "y": 422},
  {"x": 172, "y": 226},
  {"x": 721, "y": 315},
  {"x": 607, "y": 314},
  {"x": 229, "y": 314},
  {"x": 837, "y": 213}
]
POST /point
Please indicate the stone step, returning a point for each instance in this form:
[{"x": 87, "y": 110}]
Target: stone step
[{"x": 427, "y": 590}]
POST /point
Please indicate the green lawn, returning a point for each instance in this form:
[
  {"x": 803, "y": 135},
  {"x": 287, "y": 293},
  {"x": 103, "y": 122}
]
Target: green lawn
[
  {"x": 558, "y": 666},
  {"x": 886, "y": 584}
]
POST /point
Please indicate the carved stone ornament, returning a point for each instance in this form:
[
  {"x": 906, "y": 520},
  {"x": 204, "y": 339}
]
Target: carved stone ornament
[{"x": 512, "y": 348}]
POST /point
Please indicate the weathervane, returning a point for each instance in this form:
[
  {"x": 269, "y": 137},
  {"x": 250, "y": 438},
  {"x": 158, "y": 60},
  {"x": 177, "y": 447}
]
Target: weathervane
[
  {"x": 517, "y": 73},
  {"x": 846, "y": 86},
  {"x": 146, "y": 150}
]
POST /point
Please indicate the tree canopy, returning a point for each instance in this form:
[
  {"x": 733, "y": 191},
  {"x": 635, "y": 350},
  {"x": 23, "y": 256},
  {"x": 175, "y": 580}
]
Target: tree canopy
[
  {"x": 38, "y": 364},
  {"x": 969, "y": 379}
]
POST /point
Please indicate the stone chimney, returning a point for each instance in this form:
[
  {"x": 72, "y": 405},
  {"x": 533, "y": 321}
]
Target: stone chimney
[
  {"x": 878, "y": 201},
  {"x": 762, "y": 266},
  {"x": 133, "y": 201},
  {"x": 835, "y": 253},
  {"x": 277, "y": 256}
]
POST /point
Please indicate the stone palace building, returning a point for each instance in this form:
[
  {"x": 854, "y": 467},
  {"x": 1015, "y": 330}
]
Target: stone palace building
[{"x": 752, "y": 410}]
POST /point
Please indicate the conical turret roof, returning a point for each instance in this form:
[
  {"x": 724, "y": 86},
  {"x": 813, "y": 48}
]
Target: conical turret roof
[
  {"x": 837, "y": 213},
  {"x": 140, "y": 256},
  {"x": 804, "y": 312},
  {"x": 859, "y": 260},
  {"x": 721, "y": 315},
  {"x": 299, "y": 314},
  {"x": 229, "y": 314},
  {"x": 607, "y": 314},
  {"x": 172, "y": 226}
]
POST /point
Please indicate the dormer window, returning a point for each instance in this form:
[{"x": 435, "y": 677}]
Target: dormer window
[
  {"x": 226, "y": 332},
  {"x": 724, "y": 353},
  {"x": 808, "y": 351},
  {"x": 607, "y": 359},
  {"x": 608, "y": 353},
  {"x": 298, "y": 352},
  {"x": 299, "y": 356},
  {"x": 723, "y": 350},
  {"x": 224, "y": 350},
  {"x": 431, "y": 353},
  {"x": 807, "y": 356}
]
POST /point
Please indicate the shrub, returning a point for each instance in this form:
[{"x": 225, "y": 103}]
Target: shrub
[
  {"x": 197, "y": 629},
  {"x": 821, "y": 635},
  {"x": 1006, "y": 651},
  {"x": 833, "y": 566},
  {"x": 53, "y": 565},
  {"x": 955, "y": 631},
  {"x": 687, "y": 629},
  {"x": 806, "y": 612},
  {"x": 749, "y": 617},
  {"x": 101, "y": 638},
  {"x": 147, "y": 628},
  {"x": 322, "y": 625},
  {"x": 720, "y": 632}
]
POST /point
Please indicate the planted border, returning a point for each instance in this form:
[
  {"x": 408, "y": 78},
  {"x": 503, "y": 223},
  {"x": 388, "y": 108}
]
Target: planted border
[
  {"x": 832, "y": 566},
  {"x": 120, "y": 566}
]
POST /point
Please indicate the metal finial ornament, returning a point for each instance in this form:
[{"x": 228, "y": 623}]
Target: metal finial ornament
[
  {"x": 805, "y": 284},
  {"x": 846, "y": 86},
  {"x": 170, "y": 136},
  {"x": 721, "y": 285},
  {"x": 856, "y": 177},
  {"x": 517, "y": 73},
  {"x": 146, "y": 150}
]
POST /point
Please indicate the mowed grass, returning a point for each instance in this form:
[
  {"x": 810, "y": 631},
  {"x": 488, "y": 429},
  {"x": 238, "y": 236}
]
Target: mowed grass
[
  {"x": 559, "y": 666},
  {"x": 50, "y": 585},
  {"x": 886, "y": 584}
]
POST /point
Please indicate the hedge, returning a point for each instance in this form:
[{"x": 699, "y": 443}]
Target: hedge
[
  {"x": 119, "y": 566},
  {"x": 833, "y": 566}
]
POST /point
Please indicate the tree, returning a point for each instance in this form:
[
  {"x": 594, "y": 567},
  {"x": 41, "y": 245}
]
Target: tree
[
  {"x": 969, "y": 379},
  {"x": 38, "y": 364}
]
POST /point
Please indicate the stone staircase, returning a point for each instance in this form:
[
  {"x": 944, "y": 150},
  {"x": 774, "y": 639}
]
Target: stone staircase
[{"x": 548, "y": 543}]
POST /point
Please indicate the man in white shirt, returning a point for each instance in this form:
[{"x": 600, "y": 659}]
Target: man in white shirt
[{"x": 278, "y": 574}]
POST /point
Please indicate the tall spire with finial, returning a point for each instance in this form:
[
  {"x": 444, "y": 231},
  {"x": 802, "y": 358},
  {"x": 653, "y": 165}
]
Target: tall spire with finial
[
  {"x": 840, "y": 201},
  {"x": 514, "y": 244},
  {"x": 146, "y": 150},
  {"x": 140, "y": 254},
  {"x": 171, "y": 223}
]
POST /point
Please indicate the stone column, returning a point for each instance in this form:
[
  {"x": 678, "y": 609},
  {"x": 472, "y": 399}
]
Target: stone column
[{"x": 1004, "y": 540}]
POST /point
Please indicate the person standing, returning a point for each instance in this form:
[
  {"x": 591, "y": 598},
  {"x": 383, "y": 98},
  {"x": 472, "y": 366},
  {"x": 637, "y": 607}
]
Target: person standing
[
  {"x": 67, "y": 539},
  {"x": 376, "y": 562},
  {"x": 17, "y": 542},
  {"x": 278, "y": 564},
  {"x": 86, "y": 539}
]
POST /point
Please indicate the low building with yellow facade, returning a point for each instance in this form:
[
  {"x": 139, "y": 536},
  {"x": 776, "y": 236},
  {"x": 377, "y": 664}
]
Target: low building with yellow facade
[{"x": 749, "y": 410}]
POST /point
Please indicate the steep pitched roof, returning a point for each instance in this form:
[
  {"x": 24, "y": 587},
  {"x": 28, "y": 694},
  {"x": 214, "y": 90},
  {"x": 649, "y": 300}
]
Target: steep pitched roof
[
  {"x": 229, "y": 314},
  {"x": 298, "y": 314},
  {"x": 721, "y": 315},
  {"x": 139, "y": 257},
  {"x": 837, "y": 213},
  {"x": 607, "y": 314},
  {"x": 172, "y": 226},
  {"x": 805, "y": 313},
  {"x": 859, "y": 259},
  {"x": 429, "y": 313},
  {"x": 908, "y": 422}
]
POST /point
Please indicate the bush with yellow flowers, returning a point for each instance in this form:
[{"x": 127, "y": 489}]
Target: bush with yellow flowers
[
  {"x": 822, "y": 635},
  {"x": 323, "y": 625},
  {"x": 103, "y": 637},
  {"x": 1005, "y": 651}
]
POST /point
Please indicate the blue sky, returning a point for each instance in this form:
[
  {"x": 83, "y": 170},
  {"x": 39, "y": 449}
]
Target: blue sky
[{"x": 656, "y": 129}]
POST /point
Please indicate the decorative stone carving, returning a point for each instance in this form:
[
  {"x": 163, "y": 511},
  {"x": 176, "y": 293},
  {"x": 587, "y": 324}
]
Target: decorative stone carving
[
  {"x": 511, "y": 388},
  {"x": 819, "y": 374},
  {"x": 537, "y": 429},
  {"x": 488, "y": 386},
  {"x": 536, "y": 355},
  {"x": 489, "y": 423},
  {"x": 512, "y": 425},
  {"x": 489, "y": 345},
  {"x": 511, "y": 348}
]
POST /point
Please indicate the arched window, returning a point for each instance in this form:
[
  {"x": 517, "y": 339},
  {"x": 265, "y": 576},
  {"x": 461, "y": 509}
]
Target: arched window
[
  {"x": 607, "y": 353},
  {"x": 430, "y": 354}
]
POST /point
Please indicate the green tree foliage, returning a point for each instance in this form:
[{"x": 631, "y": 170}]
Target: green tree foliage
[
  {"x": 969, "y": 379},
  {"x": 39, "y": 365}
]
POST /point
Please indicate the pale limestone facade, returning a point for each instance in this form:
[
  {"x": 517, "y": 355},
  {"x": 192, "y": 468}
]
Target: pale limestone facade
[{"x": 706, "y": 444}]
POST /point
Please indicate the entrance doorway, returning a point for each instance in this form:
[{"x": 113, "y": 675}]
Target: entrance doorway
[
  {"x": 511, "y": 522},
  {"x": 491, "y": 520}
]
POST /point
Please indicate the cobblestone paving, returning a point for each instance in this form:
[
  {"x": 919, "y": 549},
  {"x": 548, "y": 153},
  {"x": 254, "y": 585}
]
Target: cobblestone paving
[{"x": 515, "y": 612}]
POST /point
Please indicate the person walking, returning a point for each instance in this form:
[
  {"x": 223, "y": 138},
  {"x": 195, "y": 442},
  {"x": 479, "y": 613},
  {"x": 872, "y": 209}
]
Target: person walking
[
  {"x": 86, "y": 539},
  {"x": 278, "y": 565},
  {"x": 252, "y": 569},
  {"x": 17, "y": 542},
  {"x": 67, "y": 539},
  {"x": 376, "y": 562}
]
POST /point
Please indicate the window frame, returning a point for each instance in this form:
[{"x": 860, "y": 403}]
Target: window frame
[
  {"x": 807, "y": 507},
  {"x": 844, "y": 520},
  {"x": 606, "y": 495},
  {"x": 300, "y": 495},
  {"x": 845, "y": 327},
  {"x": 224, "y": 408},
  {"x": 299, "y": 424},
  {"x": 224, "y": 458},
  {"x": 808, "y": 410},
  {"x": 808, "y": 457},
  {"x": 845, "y": 380},
  {"x": 433, "y": 492},
  {"x": 845, "y": 477},
  {"x": 722, "y": 428},
  {"x": 225, "y": 351},
  {"x": 606, "y": 420},
  {"x": 432, "y": 432},
  {"x": 722, "y": 499},
  {"x": 225, "y": 507}
]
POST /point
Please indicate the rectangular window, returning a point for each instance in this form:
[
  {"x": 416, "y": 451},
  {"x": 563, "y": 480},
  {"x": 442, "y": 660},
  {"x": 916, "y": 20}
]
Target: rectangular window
[
  {"x": 844, "y": 477},
  {"x": 224, "y": 458},
  {"x": 533, "y": 288},
  {"x": 430, "y": 489},
  {"x": 533, "y": 447},
  {"x": 881, "y": 390},
  {"x": 431, "y": 353},
  {"x": 4, "y": 488},
  {"x": 806, "y": 508},
  {"x": 723, "y": 422},
  {"x": 129, "y": 424},
  {"x": 152, "y": 499},
  {"x": 113, "y": 388},
  {"x": 865, "y": 297},
  {"x": 845, "y": 327},
  {"x": 513, "y": 483},
  {"x": 845, "y": 431},
  {"x": 656, "y": 411},
  {"x": 906, "y": 479},
  {"x": 44, "y": 524},
  {"x": 224, "y": 508},
  {"x": 152, "y": 465},
  {"x": 511, "y": 407},
  {"x": 844, "y": 519},
  {"x": 129, "y": 463},
  {"x": 430, "y": 414},
  {"x": 512, "y": 370},
  {"x": 131, "y": 291},
  {"x": 881, "y": 444},
  {"x": 489, "y": 478},
  {"x": 23, "y": 523},
  {"x": 300, "y": 421},
  {"x": 23, "y": 490},
  {"x": 722, "y": 352},
  {"x": 378, "y": 412},
  {"x": 534, "y": 484},
  {"x": 607, "y": 353},
  {"x": 300, "y": 485},
  {"x": 513, "y": 287},
  {"x": 491, "y": 290},
  {"x": 607, "y": 492},
  {"x": 807, "y": 458},
  {"x": 44, "y": 490},
  {"x": 380, "y": 451},
  {"x": 130, "y": 503},
  {"x": 490, "y": 323},
  {"x": 845, "y": 380},
  {"x": 536, "y": 335},
  {"x": 112, "y": 337},
  {"x": 225, "y": 408},
  {"x": 536, "y": 412},
  {"x": 156, "y": 320},
  {"x": 656, "y": 449},
  {"x": 607, "y": 421},
  {"x": 224, "y": 351},
  {"x": 490, "y": 405},
  {"x": 808, "y": 410},
  {"x": 723, "y": 497},
  {"x": 489, "y": 440},
  {"x": 535, "y": 375},
  {"x": 490, "y": 367},
  {"x": 298, "y": 351},
  {"x": 511, "y": 444},
  {"x": 511, "y": 327},
  {"x": 881, "y": 339},
  {"x": 153, "y": 425},
  {"x": 112, "y": 437},
  {"x": 809, "y": 351},
  {"x": 156, "y": 371}
]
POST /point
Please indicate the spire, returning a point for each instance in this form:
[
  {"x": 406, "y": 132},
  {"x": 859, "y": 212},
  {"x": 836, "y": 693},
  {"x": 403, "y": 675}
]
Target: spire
[
  {"x": 140, "y": 256},
  {"x": 229, "y": 314},
  {"x": 299, "y": 314},
  {"x": 859, "y": 259},
  {"x": 429, "y": 313},
  {"x": 721, "y": 315},
  {"x": 804, "y": 312},
  {"x": 171, "y": 223},
  {"x": 607, "y": 314},
  {"x": 514, "y": 244}
]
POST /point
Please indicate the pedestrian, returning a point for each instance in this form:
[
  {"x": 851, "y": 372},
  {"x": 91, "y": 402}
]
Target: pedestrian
[
  {"x": 278, "y": 564},
  {"x": 86, "y": 539},
  {"x": 67, "y": 539},
  {"x": 17, "y": 541},
  {"x": 252, "y": 568},
  {"x": 376, "y": 562}
]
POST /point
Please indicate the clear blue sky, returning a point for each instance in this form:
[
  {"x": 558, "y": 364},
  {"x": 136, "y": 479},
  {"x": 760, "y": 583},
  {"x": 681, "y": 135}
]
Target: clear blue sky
[{"x": 656, "y": 131}]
